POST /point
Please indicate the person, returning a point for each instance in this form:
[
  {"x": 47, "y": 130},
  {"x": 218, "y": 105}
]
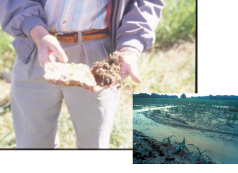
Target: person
[{"x": 72, "y": 31}]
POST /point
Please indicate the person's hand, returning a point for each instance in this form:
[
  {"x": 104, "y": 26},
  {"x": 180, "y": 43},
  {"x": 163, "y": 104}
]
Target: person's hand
[
  {"x": 48, "y": 46},
  {"x": 128, "y": 67}
]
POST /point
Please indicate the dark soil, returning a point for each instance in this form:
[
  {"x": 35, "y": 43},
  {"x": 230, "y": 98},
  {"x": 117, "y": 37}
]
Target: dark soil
[
  {"x": 107, "y": 72},
  {"x": 150, "y": 151}
]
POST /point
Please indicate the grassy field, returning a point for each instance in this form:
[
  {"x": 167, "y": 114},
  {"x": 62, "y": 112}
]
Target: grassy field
[{"x": 168, "y": 68}]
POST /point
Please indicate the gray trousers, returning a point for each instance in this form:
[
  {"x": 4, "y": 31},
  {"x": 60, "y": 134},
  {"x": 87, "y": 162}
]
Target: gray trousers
[{"x": 36, "y": 103}]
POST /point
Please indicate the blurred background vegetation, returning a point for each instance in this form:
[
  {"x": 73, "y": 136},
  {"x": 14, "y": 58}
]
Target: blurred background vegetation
[
  {"x": 168, "y": 68},
  {"x": 177, "y": 24}
]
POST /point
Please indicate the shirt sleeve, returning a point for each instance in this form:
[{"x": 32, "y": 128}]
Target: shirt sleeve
[
  {"x": 18, "y": 17},
  {"x": 137, "y": 30}
]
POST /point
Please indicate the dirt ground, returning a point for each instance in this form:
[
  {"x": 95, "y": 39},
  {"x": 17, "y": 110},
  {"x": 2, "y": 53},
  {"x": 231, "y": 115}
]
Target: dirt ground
[{"x": 150, "y": 151}]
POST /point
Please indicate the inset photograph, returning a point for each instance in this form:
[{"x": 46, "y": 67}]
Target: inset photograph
[{"x": 185, "y": 128}]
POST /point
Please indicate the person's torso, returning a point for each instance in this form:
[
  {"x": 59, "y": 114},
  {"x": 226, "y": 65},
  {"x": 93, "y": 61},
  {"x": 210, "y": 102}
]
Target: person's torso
[{"x": 75, "y": 15}]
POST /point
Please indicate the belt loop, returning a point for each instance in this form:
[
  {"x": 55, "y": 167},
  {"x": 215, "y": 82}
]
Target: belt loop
[{"x": 80, "y": 39}]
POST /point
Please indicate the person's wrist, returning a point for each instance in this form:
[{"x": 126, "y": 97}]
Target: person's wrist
[
  {"x": 130, "y": 52},
  {"x": 38, "y": 33}
]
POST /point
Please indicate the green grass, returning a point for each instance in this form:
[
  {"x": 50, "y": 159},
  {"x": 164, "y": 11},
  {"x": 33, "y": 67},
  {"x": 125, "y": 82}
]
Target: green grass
[
  {"x": 168, "y": 71},
  {"x": 178, "y": 22},
  {"x": 7, "y": 52}
]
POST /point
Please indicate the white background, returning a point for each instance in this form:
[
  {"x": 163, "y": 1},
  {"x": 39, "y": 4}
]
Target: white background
[
  {"x": 217, "y": 74},
  {"x": 218, "y": 46}
]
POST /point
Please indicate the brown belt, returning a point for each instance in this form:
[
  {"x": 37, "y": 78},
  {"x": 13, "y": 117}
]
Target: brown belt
[{"x": 85, "y": 36}]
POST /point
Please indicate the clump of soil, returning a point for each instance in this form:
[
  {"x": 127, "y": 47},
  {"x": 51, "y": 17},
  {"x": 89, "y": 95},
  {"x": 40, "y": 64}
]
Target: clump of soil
[
  {"x": 69, "y": 74},
  {"x": 107, "y": 72}
]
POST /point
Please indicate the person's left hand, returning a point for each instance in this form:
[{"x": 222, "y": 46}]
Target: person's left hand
[{"x": 128, "y": 67}]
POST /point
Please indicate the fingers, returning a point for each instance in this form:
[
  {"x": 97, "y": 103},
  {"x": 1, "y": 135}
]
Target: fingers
[
  {"x": 129, "y": 67},
  {"x": 49, "y": 49},
  {"x": 42, "y": 63},
  {"x": 47, "y": 43},
  {"x": 132, "y": 71},
  {"x": 134, "y": 74},
  {"x": 59, "y": 52},
  {"x": 44, "y": 56},
  {"x": 52, "y": 58}
]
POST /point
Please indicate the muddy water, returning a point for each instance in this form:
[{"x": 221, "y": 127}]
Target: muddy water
[{"x": 221, "y": 151}]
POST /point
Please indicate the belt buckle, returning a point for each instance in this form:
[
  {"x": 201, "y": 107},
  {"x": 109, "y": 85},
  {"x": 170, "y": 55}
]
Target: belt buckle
[
  {"x": 78, "y": 37},
  {"x": 58, "y": 33}
]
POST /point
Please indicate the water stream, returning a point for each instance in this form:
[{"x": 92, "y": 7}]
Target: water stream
[{"x": 221, "y": 151}]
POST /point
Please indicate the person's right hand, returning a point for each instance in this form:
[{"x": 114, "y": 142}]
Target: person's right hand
[{"x": 48, "y": 46}]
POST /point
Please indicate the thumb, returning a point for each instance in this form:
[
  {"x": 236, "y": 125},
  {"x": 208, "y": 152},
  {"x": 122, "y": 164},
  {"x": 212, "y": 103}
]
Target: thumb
[
  {"x": 59, "y": 52},
  {"x": 134, "y": 74},
  {"x": 52, "y": 57}
]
